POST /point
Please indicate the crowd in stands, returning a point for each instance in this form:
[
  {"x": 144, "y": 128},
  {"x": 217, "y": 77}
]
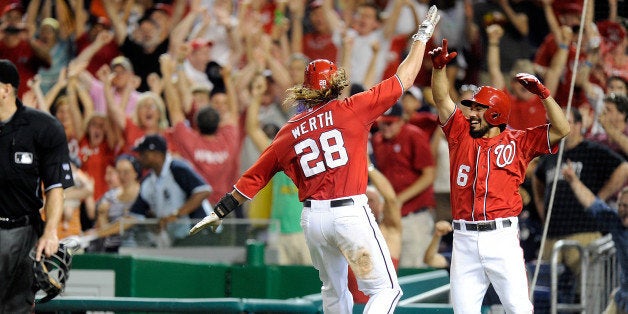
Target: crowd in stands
[{"x": 209, "y": 76}]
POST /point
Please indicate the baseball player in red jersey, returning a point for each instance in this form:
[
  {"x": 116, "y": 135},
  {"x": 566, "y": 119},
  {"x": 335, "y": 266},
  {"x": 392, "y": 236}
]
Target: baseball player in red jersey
[
  {"x": 488, "y": 163},
  {"x": 323, "y": 150}
]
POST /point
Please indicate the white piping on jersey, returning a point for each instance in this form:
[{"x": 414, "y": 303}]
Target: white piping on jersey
[
  {"x": 475, "y": 180},
  {"x": 247, "y": 197},
  {"x": 488, "y": 172}
]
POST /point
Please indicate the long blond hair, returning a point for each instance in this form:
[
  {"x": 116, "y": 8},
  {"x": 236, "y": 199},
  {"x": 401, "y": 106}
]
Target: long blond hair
[{"x": 299, "y": 94}]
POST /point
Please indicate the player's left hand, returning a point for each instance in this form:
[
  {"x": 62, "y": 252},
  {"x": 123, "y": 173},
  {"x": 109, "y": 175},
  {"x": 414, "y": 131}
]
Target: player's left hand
[
  {"x": 427, "y": 27},
  {"x": 533, "y": 85},
  {"x": 440, "y": 56},
  {"x": 212, "y": 220}
]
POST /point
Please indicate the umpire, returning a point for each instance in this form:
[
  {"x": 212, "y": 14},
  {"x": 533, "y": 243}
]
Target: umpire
[{"x": 33, "y": 154}]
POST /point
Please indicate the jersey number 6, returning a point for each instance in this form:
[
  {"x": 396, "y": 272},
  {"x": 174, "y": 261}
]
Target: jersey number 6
[{"x": 334, "y": 152}]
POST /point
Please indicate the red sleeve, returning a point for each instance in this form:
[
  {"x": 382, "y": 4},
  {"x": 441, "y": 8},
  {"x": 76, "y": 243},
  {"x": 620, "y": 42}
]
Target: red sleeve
[
  {"x": 536, "y": 142},
  {"x": 370, "y": 104},
  {"x": 256, "y": 177}
]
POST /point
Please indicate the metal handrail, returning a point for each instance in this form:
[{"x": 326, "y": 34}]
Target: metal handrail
[{"x": 584, "y": 260}]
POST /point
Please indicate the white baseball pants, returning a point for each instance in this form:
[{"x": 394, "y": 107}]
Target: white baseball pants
[
  {"x": 338, "y": 236},
  {"x": 483, "y": 257}
]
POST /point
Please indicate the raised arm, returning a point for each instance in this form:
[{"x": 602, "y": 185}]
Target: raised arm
[
  {"x": 52, "y": 94},
  {"x": 495, "y": 33},
  {"x": 518, "y": 20},
  {"x": 66, "y": 17},
  {"x": 335, "y": 22},
  {"x": 102, "y": 39},
  {"x": 391, "y": 20},
  {"x": 75, "y": 113},
  {"x": 114, "y": 111},
  {"x": 583, "y": 193},
  {"x": 410, "y": 66},
  {"x": 118, "y": 24},
  {"x": 173, "y": 103},
  {"x": 445, "y": 106},
  {"x": 233, "y": 117},
  {"x": 80, "y": 17},
  {"x": 559, "y": 127},
  {"x": 253, "y": 130},
  {"x": 297, "y": 13},
  {"x": 184, "y": 27}
]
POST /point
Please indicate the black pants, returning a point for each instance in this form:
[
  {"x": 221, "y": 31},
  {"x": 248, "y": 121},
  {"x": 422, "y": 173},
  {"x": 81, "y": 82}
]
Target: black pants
[{"x": 16, "y": 270}]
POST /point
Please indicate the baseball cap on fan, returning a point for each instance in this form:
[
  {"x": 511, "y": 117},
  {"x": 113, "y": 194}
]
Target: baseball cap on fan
[
  {"x": 153, "y": 142},
  {"x": 8, "y": 73},
  {"x": 13, "y": 6},
  {"x": 123, "y": 62},
  {"x": 614, "y": 33},
  {"x": 564, "y": 7},
  {"x": 393, "y": 114},
  {"x": 415, "y": 92},
  {"x": 200, "y": 42}
]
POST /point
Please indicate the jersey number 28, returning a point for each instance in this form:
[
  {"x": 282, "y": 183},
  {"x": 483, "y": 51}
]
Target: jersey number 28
[{"x": 334, "y": 153}]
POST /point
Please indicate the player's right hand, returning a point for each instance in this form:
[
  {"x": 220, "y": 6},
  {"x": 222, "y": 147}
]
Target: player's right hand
[
  {"x": 212, "y": 220},
  {"x": 440, "y": 56}
]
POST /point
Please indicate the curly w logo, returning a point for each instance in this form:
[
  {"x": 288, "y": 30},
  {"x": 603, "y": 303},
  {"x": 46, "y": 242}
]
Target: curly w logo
[{"x": 505, "y": 154}]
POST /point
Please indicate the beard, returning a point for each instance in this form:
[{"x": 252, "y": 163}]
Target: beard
[{"x": 479, "y": 133}]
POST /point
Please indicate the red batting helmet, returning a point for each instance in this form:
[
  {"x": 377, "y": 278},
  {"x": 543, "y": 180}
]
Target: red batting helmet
[
  {"x": 496, "y": 100},
  {"x": 318, "y": 74}
]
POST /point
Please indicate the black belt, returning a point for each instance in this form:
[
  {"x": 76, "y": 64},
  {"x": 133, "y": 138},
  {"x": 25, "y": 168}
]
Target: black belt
[
  {"x": 335, "y": 203},
  {"x": 482, "y": 225},
  {"x": 10, "y": 223}
]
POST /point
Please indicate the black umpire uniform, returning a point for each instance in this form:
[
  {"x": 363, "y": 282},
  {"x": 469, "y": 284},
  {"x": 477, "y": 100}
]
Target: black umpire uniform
[{"x": 33, "y": 153}]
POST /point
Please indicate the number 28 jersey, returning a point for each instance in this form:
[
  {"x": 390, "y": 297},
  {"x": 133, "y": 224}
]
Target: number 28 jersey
[
  {"x": 323, "y": 150},
  {"x": 486, "y": 172}
]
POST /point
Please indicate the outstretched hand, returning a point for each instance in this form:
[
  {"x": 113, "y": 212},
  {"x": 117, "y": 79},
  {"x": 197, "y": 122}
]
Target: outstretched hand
[
  {"x": 426, "y": 29},
  {"x": 533, "y": 85},
  {"x": 212, "y": 220},
  {"x": 440, "y": 56}
]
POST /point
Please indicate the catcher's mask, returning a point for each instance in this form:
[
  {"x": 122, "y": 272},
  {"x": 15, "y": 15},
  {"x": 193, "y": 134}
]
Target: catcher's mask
[{"x": 51, "y": 273}]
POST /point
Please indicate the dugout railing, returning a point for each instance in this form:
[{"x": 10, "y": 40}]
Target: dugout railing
[{"x": 598, "y": 277}]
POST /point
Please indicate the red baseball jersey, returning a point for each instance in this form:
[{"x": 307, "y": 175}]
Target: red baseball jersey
[
  {"x": 323, "y": 150},
  {"x": 486, "y": 172}
]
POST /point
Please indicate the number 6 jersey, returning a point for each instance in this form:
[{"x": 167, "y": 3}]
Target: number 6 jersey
[
  {"x": 486, "y": 173},
  {"x": 323, "y": 150}
]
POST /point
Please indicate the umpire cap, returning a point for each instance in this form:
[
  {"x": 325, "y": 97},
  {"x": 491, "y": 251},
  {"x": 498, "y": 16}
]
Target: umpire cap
[{"x": 8, "y": 73}]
